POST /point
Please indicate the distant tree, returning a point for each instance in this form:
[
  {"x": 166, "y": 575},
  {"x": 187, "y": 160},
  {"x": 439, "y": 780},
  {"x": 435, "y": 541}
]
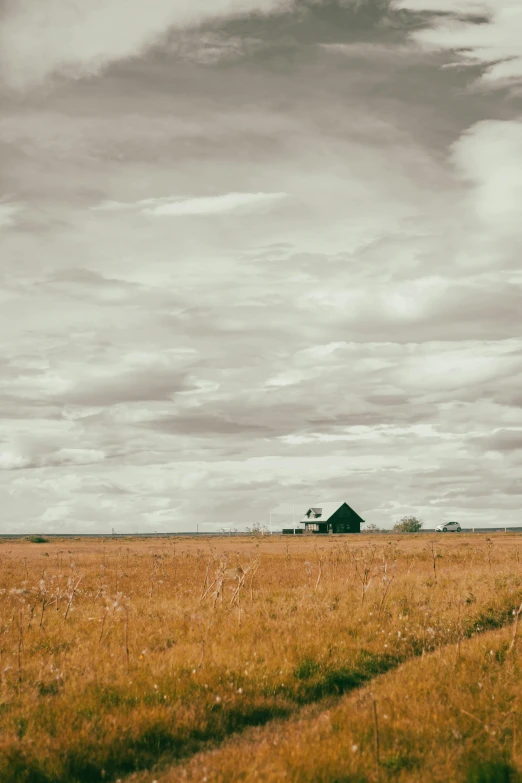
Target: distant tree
[
  {"x": 408, "y": 525},
  {"x": 372, "y": 528}
]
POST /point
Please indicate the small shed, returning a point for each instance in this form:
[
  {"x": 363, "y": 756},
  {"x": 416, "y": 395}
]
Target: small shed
[{"x": 332, "y": 518}]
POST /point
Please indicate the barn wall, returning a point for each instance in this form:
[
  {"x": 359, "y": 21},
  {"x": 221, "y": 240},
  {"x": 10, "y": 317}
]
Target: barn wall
[{"x": 345, "y": 520}]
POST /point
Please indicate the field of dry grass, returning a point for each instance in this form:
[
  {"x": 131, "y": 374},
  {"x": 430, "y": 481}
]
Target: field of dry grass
[{"x": 358, "y": 658}]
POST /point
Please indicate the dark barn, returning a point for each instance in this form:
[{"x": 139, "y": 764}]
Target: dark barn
[{"x": 332, "y": 518}]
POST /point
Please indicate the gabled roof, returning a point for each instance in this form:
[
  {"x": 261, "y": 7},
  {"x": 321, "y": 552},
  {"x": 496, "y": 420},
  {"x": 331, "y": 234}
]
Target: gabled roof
[{"x": 323, "y": 511}]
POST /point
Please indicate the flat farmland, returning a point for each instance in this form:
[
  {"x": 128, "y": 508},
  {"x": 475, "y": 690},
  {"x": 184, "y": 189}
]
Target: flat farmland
[{"x": 349, "y": 658}]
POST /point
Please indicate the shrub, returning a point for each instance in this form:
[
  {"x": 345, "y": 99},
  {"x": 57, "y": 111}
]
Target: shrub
[{"x": 408, "y": 525}]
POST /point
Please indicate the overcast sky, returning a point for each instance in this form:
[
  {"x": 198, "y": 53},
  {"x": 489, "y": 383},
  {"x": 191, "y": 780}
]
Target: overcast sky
[{"x": 259, "y": 253}]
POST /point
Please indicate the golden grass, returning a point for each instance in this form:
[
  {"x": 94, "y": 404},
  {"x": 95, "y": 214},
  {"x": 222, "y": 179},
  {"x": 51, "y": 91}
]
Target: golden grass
[
  {"x": 125, "y": 656},
  {"x": 436, "y": 719}
]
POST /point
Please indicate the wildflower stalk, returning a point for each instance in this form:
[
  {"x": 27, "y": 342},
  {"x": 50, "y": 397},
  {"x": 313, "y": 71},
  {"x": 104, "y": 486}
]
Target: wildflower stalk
[
  {"x": 385, "y": 593},
  {"x": 127, "y": 637},
  {"x": 433, "y": 549},
  {"x": 71, "y": 596},
  {"x": 103, "y": 625},
  {"x": 376, "y": 740},
  {"x": 44, "y": 606},
  {"x": 20, "y": 646},
  {"x": 511, "y": 647}
]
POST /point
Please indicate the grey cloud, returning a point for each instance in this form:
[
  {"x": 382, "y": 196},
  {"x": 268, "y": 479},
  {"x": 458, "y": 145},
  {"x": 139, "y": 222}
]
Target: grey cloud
[
  {"x": 85, "y": 277},
  {"x": 126, "y": 387},
  {"x": 62, "y": 458},
  {"x": 107, "y": 488},
  {"x": 503, "y": 441},
  {"x": 213, "y": 47},
  {"x": 204, "y": 424},
  {"x": 102, "y": 291},
  {"x": 466, "y": 310},
  {"x": 32, "y": 50},
  {"x": 486, "y": 32},
  {"x": 515, "y": 488}
]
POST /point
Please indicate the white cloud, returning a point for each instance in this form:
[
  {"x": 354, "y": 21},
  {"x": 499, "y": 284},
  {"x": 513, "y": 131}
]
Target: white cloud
[
  {"x": 8, "y": 213},
  {"x": 56, "y": 514},
  {"x": 486, "y": 156},
  {"x": 75, "y": 457},
  {"x": 202, "y": 205},
  {"x": 39, "y": 38},
  {"x": 10, "y": 460},
  {"x": 496, "y": 43},
  {"x": 212, "y": 205}
]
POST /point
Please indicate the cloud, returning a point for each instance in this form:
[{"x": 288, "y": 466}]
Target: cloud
[
  {"x": 10, "y": 460},
  {"x": 55, "y": 514},
  {"x": 202, "y": 205},
  {"x": 75, "y": 456},
  {"x": 62, "y": 457},
  {"x": 149, "y": 383},
  {"x": 202, "y": 425},
  {"x": 39, "y": 38},
  {"x": 484, "y": 32},
  {"x": 356, "y": 340},
  {"x": 215, "y": 205},
  {"x": 484, "y": 159},
  {"x": 9, "y": 211},
  {"x": 485, "y": 156},
  {"x": 210, "y": 48},
  {"x": 504, "y": 440}
]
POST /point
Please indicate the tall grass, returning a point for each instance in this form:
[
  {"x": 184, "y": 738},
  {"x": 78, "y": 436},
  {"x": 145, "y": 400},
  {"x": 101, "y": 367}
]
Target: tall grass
[
  {"x": 115, "y": 658},
  {"x": 436, "y": 719}
]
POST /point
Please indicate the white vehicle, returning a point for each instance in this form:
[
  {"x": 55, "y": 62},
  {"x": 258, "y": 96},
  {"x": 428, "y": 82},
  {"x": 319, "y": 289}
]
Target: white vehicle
[{"x": 449, "y": 527}]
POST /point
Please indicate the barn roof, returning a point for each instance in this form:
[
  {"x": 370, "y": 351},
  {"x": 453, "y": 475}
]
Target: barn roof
[{"x": 321, "y": 512}]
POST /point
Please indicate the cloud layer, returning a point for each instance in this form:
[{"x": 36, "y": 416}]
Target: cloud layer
[
  {"x": 278, "y": 273},
  {"x": 202, "y": 205},
  {"x": 34, "y": 46},
  {"x": 494, "y": 42}
]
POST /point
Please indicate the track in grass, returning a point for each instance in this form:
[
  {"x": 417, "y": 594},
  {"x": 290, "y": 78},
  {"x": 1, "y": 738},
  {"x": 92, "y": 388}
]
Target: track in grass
[{"x": 115, "y": 658}]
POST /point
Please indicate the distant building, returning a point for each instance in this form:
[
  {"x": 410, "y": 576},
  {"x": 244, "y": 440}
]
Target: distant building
[{"x": 332, "y": 518}]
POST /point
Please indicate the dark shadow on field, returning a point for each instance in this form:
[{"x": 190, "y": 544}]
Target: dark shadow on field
[
  {"x": 88, "y": 763},
  {"x": 498, "y": 771}
]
